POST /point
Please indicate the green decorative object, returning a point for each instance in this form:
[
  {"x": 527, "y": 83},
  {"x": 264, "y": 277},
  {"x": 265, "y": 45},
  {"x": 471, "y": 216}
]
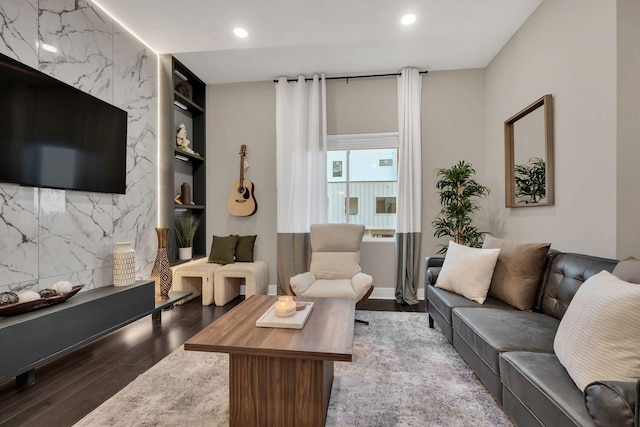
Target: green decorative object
[
  {"x": 186, "y": 228},
  {"x": 458, "y": 190},
  {"x": 530, "y": 180}
]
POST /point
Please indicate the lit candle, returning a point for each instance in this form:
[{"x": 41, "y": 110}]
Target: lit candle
[{"x": 285, "y": 306}]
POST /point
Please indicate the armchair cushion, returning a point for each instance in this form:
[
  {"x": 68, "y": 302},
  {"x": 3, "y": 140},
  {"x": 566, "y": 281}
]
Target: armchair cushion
[
  {"x": 335, "y": 270},
  {"x": 335, "y": 265},
  {"x": 340, "y": 288},
  {"x": 301, "y": 282},
  {"x": 361, "y": 283},
  {"x": 336, "y": 237}
]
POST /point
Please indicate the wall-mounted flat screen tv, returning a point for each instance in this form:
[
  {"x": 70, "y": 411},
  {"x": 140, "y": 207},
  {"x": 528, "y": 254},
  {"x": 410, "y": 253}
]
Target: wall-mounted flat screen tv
[{"x": 56, "y": 136}]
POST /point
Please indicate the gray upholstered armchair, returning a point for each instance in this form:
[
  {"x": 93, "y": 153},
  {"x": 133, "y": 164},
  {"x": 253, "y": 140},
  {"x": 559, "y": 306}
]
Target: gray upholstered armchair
[{"x": 335, "y": 264}]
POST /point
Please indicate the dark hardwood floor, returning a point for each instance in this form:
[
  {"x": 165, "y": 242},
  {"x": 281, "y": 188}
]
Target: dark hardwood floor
[{"x": 72, "y": 386}]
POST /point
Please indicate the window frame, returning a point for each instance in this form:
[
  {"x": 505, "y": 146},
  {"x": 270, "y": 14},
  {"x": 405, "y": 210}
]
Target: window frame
[{"x": 368, "y": 141}]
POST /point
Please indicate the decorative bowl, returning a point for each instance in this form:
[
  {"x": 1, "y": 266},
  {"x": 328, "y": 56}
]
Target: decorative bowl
[{"x": 25, "y": 307}]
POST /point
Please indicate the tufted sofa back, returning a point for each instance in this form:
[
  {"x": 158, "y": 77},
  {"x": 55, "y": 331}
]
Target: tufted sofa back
[{"x": 566, "y": 273}]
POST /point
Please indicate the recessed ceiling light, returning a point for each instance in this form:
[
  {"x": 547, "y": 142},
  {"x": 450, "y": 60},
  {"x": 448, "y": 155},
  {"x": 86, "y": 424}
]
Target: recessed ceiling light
[
  {"x": 408, "y": 19},
  {"x": 240, "y": 32}
]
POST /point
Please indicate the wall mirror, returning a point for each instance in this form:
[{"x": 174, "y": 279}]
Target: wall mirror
[{"x": 528, "y": 141}]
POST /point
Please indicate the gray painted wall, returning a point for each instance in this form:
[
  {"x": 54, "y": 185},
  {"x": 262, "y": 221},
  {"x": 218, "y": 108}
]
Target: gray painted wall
[
  {"x": 244, "y": 113},
  {"x": 628, "y": 128},
  {"x": 590, "y": 75}
]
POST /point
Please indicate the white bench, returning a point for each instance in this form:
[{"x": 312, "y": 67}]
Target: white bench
[
  {"x": 228, "y": 279},
  {"x": 195, "y": 277},
  {"x": 221, "y": 283}
]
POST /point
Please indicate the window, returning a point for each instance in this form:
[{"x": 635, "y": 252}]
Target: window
[
  {"x": 362, "y": 171},
  {"x": 337, "y": 168},
  {"x": 385, "y": 205},
  {"x": 352, "y": 208}
]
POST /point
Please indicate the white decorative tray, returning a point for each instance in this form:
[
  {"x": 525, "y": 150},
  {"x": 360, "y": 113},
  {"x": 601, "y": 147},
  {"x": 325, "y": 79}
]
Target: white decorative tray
[{"x": 297, "y": 321}]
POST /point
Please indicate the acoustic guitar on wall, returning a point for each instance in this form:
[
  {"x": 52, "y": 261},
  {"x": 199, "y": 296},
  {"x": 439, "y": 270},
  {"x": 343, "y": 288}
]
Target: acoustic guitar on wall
[{"x": 242, "y": 202}]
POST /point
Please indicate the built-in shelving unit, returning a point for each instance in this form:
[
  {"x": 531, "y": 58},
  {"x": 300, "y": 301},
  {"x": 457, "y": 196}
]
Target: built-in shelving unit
[{"x": 182, "y": 101}]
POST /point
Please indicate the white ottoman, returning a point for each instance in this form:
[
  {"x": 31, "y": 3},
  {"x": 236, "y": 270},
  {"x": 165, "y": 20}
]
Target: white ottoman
[
  {"x": 196, "y": 277},
  {"x": 228, "y": 279}
]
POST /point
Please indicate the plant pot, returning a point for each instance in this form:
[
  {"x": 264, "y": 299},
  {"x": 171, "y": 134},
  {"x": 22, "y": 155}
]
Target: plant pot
[{"x": 185, "y": 253}]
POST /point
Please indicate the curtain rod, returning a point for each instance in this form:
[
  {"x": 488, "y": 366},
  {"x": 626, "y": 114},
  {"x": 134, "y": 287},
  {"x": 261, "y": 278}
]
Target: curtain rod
[{"x": 353, "y": 77}]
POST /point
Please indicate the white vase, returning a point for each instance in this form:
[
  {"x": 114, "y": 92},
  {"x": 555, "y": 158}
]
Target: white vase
[
  {"x": 124, "y": 264},
  {"x": 185, "y": 253}
]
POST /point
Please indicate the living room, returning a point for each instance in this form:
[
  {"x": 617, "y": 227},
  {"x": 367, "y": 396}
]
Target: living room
[{"x": 586, "y": 56}]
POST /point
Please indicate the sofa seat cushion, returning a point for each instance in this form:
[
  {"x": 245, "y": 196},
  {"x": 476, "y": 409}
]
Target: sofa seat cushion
[
  {"x": 445, "y": 301},
  {"x": 540, "y": 383},
  {"x": 492, "y": 331},
  {"x": 440, "y": 303}
]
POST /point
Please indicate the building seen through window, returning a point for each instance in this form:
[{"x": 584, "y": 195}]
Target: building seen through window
[{"x": 362, "y": 175}]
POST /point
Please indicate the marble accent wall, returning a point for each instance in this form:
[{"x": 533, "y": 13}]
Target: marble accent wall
[{"x": 49, "y": 235}]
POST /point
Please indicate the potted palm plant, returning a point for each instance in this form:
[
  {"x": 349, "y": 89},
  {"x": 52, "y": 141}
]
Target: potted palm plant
[
  {"x": 186, "y": 227},
  {"x": 458, "y": 190}
]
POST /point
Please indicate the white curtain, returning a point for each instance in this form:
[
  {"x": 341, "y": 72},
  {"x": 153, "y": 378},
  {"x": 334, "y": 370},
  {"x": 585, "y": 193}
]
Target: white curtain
[
  {"x": 408, "y": 235},
  {"x": 301, "y": 157}
]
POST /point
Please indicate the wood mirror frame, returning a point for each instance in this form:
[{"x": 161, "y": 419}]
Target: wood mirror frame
[{"x": 513, "y": 200}]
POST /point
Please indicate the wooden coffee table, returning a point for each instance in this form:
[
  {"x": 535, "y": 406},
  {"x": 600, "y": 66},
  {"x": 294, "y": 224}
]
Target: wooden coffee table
[{"x": 280, "y": 377}]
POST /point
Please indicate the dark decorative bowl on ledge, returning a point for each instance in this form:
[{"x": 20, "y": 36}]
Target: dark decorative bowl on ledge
[{"x": 25, "y": 307}]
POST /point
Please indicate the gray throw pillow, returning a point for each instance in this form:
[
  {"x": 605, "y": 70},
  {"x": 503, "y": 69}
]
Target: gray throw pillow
[
  {"x": 628, "y": 270},
  {"x": 518, "y": 271}
]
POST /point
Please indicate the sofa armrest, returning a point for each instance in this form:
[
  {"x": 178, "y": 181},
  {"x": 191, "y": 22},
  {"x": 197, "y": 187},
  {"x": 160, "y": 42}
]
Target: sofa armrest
[
  {"x": 613, "y": 403},
  {"x": 433, "y": 265},
  {"x": 433, "y": 261}
]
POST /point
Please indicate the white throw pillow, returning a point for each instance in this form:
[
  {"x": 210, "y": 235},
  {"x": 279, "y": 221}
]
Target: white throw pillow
[
  {"x": 468, "y": 271},
  {"x": 598, "y": 338}
]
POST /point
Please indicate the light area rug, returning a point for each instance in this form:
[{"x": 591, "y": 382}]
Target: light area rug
[{"x": 402, "y": 374}]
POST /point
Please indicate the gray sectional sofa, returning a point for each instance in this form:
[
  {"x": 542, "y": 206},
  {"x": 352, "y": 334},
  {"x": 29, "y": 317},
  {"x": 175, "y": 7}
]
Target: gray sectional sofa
[{"x": 511, "y": 351}]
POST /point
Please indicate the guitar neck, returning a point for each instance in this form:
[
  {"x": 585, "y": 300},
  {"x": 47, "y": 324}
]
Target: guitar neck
[{"x": 241, "y": 170}]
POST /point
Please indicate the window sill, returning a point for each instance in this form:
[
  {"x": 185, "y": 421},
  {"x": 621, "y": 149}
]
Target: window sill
[{"x": 378, "y": 239}]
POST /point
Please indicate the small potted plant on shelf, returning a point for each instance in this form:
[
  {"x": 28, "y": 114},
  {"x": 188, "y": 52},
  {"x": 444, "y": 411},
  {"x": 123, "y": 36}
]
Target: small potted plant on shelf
[
  {"x": 458, "y": 189},
  {"x": 186, "y": 227}
]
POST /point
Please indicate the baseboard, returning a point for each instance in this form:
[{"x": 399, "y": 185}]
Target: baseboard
[
  {"x": 390, "y": 293},
  {"x": 378, "y": 293}
]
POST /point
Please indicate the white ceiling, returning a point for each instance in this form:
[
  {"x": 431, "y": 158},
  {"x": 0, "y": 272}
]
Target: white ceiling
[{"x": 337, "y": 37}]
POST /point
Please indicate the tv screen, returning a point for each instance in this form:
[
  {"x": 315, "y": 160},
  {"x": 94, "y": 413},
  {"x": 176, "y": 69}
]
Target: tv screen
[{"x": 56, "y": 136}]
